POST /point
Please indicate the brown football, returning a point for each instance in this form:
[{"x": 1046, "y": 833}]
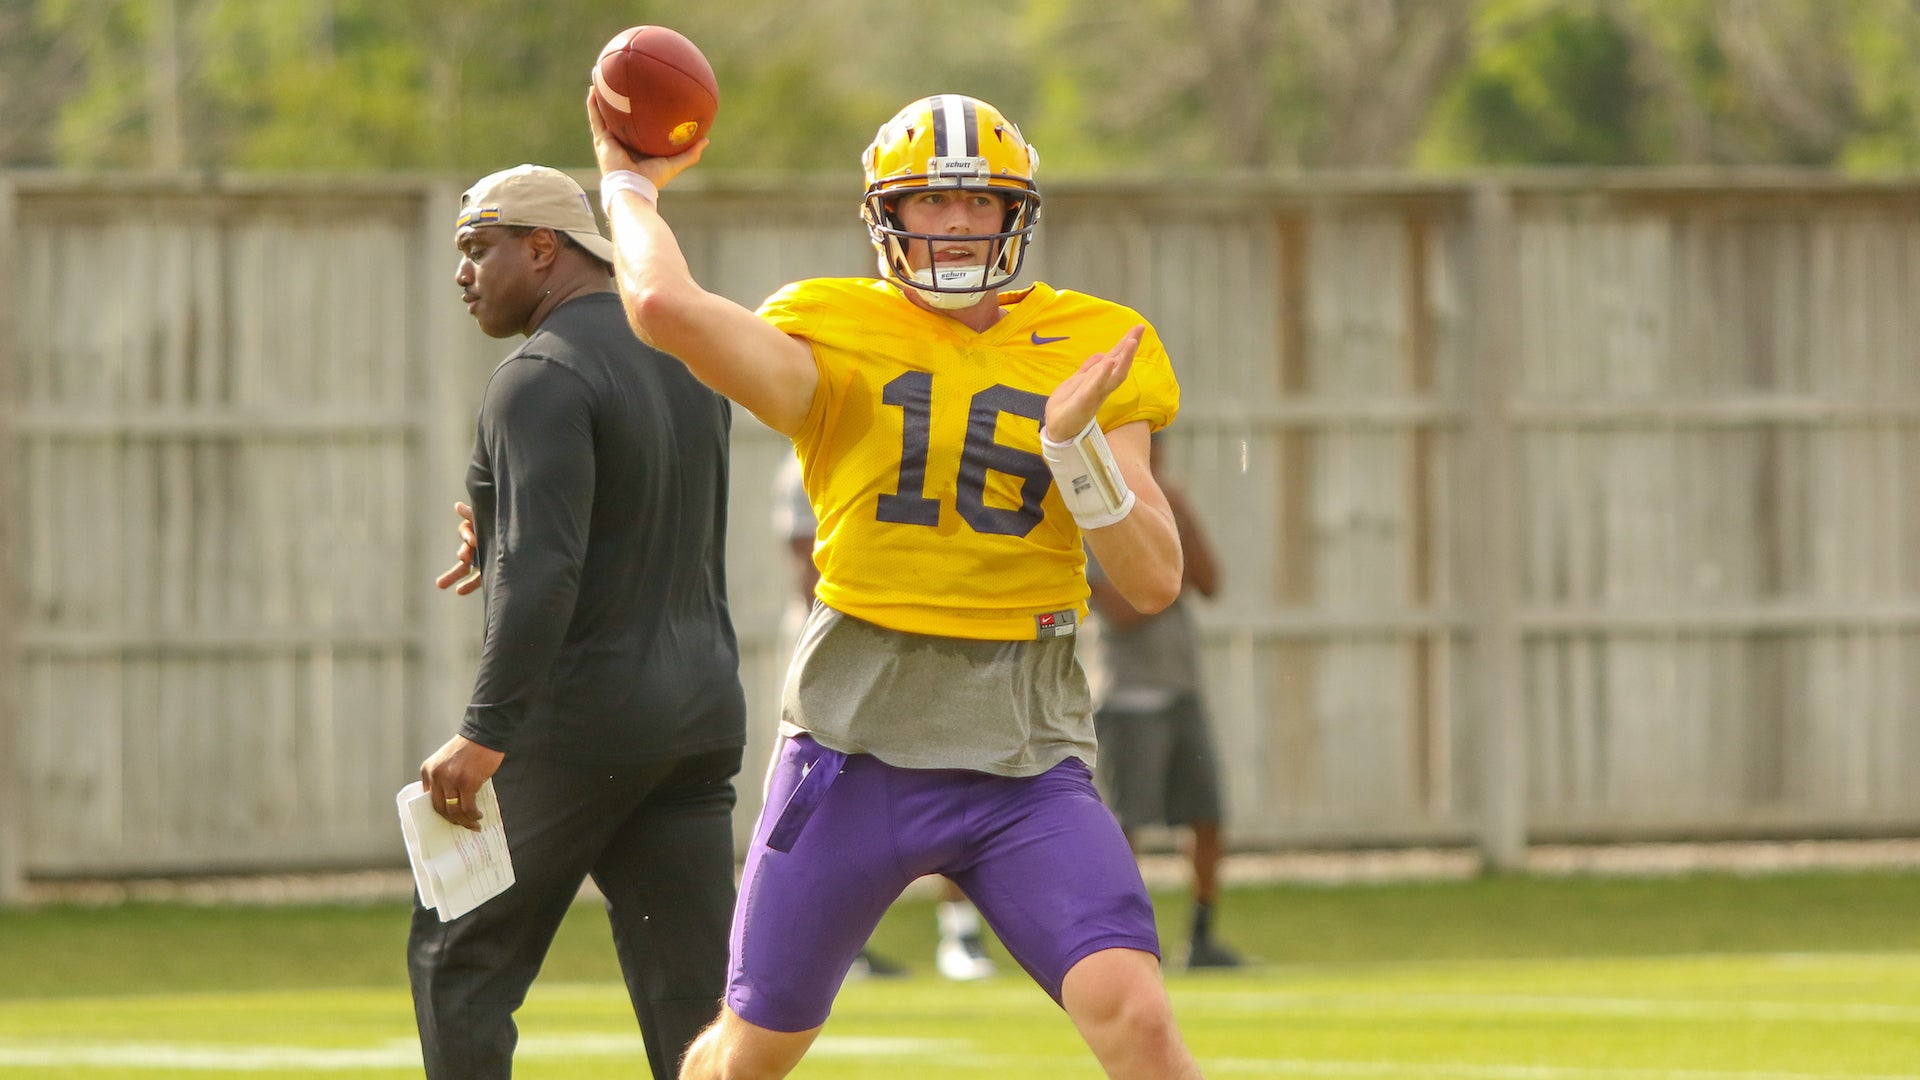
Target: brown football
[{"x": 655, "y": 91}]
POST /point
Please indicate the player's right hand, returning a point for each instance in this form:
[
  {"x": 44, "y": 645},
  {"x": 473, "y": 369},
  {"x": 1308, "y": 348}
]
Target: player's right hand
[
  {"x": 462, "y": 577},
  {"x": 613, "y": 157}
]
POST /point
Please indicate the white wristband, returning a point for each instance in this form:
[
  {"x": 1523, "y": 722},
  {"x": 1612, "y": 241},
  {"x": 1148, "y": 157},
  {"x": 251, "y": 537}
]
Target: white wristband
[
  {"x": 1089, "y": 479},
  {"x": 626, "y": 180}
]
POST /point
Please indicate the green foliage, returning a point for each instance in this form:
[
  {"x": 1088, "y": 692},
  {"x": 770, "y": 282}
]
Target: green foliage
[
  {"x": 1165, "y": 87},
  {"x": 1095, "y": 116},
  {"x": 99, "y": 118},
  {"x": 1884, "y": 43},
  {"x": 37, "y": 63},
  {"x": 1662, "y": 82},
  {"x": 1551, "y": 84}
]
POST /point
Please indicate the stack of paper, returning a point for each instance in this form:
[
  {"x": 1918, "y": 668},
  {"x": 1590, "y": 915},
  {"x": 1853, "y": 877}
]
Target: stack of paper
[{"x": 454, "y": 868}]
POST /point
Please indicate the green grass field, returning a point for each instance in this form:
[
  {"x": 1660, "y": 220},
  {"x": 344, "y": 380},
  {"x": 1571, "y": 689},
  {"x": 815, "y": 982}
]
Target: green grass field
[{"x": 1702, "y": 978}]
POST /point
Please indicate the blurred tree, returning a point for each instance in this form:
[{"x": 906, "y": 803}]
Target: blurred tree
[
  {"x": 125, "y": 106},
  {"x": 1742, "y": 81},
  {"x": 1549, "y": 83},
  {"x": 1883, "y": 42},
  {"x": 43, "y": 71},
  {"x": 371, "y": 84},
  {"x": 1166, "y": 87},
  {"x": 1689, "y": 82},
  {"x": 330, "y": 84},
  {"x": 805, "y": 86},
  {"x": 1242, "y": 84},
  {"x": 1367, "y": 75}
]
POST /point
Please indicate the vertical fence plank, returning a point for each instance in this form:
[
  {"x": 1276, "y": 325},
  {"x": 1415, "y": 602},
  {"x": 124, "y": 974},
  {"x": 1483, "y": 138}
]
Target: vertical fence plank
[
  {"x": 1496, "y": 642},
  {"x": 1291, "y": 686},
  {"x": 13, "y": 830},
  {"x": 453, "y": 371}
]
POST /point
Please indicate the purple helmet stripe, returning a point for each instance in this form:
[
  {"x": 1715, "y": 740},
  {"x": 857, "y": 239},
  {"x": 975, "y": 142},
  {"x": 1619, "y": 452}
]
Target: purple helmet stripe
[
  {"x": 954, "y": 121},
  {"x": 971, "y": 123},
  {"x": 937, "y": 105}
]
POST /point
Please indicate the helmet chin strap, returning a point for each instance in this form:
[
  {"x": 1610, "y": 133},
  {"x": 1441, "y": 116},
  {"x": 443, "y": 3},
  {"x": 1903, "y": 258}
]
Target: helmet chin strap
[
  {"x": 960, "y": 287},
  {"x": 954, "y": 287}
]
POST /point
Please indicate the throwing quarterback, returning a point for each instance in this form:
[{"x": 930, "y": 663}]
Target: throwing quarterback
[{"x": 958, "y": 438}]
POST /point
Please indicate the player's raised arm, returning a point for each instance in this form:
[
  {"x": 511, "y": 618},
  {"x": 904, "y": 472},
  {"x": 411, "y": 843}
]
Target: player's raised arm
[{"x": 727, "y": 346}]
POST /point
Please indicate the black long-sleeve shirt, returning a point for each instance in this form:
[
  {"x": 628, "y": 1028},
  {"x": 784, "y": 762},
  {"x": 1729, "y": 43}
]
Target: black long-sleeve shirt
[{"x": 599, "y": 491}]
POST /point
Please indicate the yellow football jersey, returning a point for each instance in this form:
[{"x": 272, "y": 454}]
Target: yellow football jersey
[{"x": 921, "y": 453}]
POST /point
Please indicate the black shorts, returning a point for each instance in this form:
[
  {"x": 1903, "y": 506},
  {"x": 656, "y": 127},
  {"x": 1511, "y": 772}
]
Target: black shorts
[{"x": 1157, "y": 767}]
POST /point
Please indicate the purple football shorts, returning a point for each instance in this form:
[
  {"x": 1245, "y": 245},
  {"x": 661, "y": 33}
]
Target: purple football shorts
[{"x": 843, "y": 834}]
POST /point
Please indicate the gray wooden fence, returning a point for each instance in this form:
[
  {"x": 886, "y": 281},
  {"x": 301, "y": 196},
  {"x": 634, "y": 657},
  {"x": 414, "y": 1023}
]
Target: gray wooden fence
[{"x": 1549, "y": 506}]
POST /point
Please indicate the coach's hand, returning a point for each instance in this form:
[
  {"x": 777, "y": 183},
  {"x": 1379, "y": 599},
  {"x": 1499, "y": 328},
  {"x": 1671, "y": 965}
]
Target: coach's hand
[
  {"x": 463, "y": 577},
  {"x": 454, "y": 773},
  {"x": 1072, "y": 405}
]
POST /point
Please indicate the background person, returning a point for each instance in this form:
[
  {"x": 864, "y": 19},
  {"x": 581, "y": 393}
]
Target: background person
[
  {"x": 1157, "y": 763},
  {"x": 607, "y": 707},
  {"x": 958, "y": 444}
]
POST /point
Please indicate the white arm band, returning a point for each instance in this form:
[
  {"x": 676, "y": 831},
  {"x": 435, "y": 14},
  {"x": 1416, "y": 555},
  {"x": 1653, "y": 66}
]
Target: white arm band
[
  {"x": 1088, "y": 478},
  {"x": 626, "y": 180}
]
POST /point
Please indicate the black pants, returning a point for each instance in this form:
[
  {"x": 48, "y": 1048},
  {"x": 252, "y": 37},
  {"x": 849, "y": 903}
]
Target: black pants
[{"x": 657, "y": 839}]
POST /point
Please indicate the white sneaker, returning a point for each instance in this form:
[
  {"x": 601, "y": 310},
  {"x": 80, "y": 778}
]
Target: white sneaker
[
  {"x": 962, "y": 954},
  {"x": 963, "y": 959}
]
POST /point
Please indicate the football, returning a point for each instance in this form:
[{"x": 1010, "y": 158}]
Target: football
[{"x": 655, "y": 91}]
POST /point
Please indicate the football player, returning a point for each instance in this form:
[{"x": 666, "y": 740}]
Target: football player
[{"x": 958, "y": 440}]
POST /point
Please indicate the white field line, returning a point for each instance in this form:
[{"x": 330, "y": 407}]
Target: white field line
[
  {"x": 212, "y": 1057},
  {"x": 133, "y": 1057},
  {"x": 1840, "y": 961},
  {"x": 1495, "y": 1005},
  {"x": 125, "y": 1057},
  {"x": 130, "y": 1057},
  {"x": 1280, "y": 1068}
]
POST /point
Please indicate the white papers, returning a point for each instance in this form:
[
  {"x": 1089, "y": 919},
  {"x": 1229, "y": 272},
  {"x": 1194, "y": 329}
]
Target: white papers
[{"x": 454, "y": 869}]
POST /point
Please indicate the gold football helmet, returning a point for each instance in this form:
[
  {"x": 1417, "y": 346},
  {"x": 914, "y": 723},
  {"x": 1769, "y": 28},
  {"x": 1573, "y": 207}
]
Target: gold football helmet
[{"x": 963, "y": 143}]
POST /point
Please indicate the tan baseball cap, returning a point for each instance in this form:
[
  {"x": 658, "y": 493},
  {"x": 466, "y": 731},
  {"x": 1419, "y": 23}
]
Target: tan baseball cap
[{"x": 535, "y": 195}]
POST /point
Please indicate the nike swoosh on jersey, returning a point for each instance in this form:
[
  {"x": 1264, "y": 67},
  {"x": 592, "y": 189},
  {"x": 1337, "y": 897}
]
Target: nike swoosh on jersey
[{"x": 1038, "y": 340}]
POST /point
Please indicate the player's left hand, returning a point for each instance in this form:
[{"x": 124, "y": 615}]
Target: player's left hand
[
  {"x": 1072, "y": 405},
  {"x": 453, "y": 776}
]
